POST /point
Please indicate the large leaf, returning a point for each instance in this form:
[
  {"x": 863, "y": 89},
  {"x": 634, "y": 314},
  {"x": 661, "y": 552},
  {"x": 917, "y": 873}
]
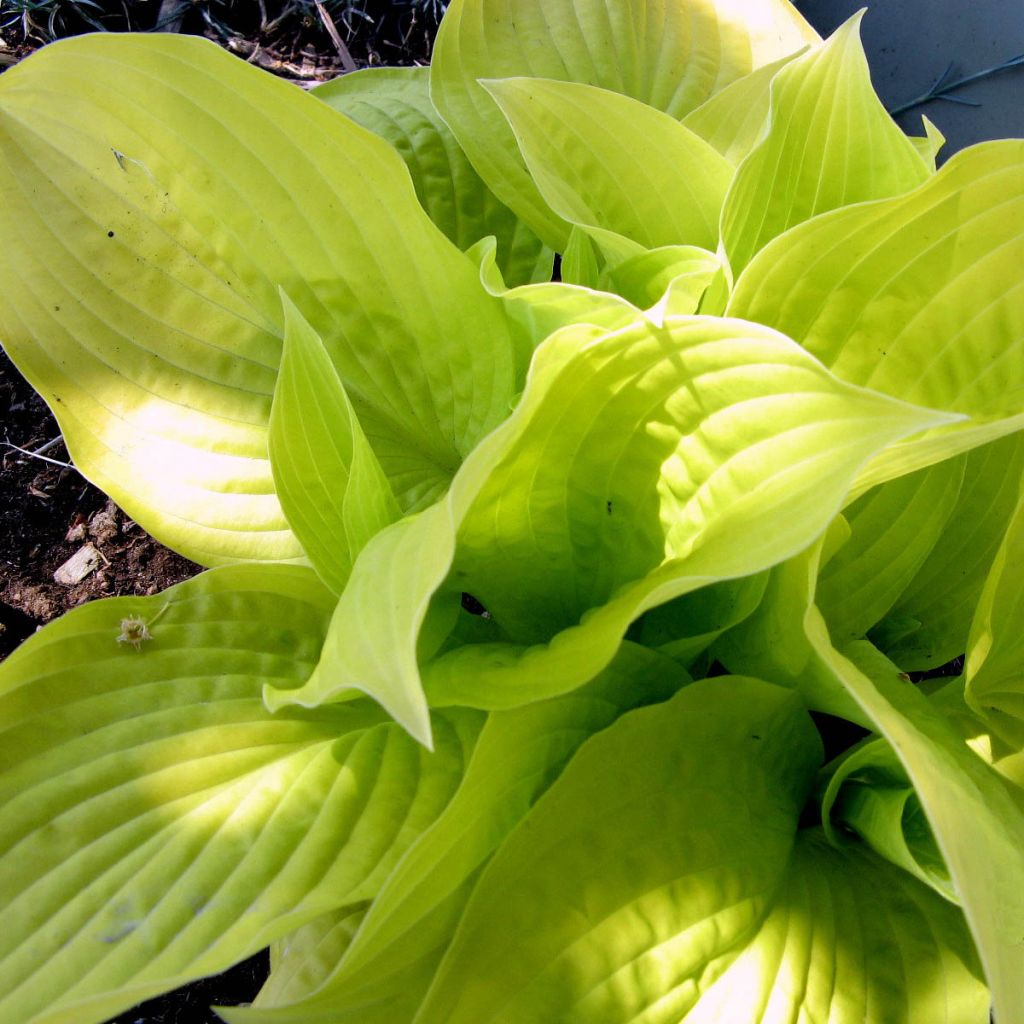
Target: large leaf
[
  {"x": 664, "y": 853},
  {"x": 329, "y": 482},
  {"x": 639, "y": 465},
  {"x": 830, "y": 143},
  {"x": 851, "y": 939},
  {"x": 157, "y": 193},
  {"x": 916, "y": 296},
  {"x": 394, "y": 103},
  {"x": 649, "y": 861},
  {"x": 670, "y": 55},
  {"x": 589, "y": 152},
  {"x": 158, "y": 824},
  {"x": 654, "y": 447}
]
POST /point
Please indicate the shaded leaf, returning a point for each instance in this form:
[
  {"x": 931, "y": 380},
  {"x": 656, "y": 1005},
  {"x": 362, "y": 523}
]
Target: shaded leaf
[
  {"x": 329, "y": 482},
  {"x": 394, "y": 103}
]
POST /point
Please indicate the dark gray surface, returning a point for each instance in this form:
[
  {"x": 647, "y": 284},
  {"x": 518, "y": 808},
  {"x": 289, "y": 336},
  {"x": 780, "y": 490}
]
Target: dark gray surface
[{"x": 910, "y": 42}]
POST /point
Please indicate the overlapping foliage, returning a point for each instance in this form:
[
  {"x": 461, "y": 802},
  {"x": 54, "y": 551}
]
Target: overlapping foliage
[{"x": 495, "y": 703}]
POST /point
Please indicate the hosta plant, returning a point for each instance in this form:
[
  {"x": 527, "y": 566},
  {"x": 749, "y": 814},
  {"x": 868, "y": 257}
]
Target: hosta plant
[{"x": 532, "y": 605}]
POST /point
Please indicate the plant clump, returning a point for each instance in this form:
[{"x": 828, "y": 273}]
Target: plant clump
[{"x": 502, "y": 696}]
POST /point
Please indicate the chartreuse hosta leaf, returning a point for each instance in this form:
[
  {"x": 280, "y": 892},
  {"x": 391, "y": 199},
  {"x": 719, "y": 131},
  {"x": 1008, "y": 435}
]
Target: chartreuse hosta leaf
[
  {"x": 687, "y": 626},
  {"x": 328, "y": 479},
  {"x": 735, "y": 119},
  {"x": 829, "y": 143},
  {"x": 669, "y": 55},
  {"x": 157, "y": 194},
  {"x": 605, "y": 160},
  {"x": 894, "y": 529},
  {"x": 538, "y": 310},
  {"x": 929, "y": 144},
  {"x": 372, "y": 645},
  {"x": 301, "y": 961},
  {"x": 157, "y": 823},
  {"x": 977, "y": 823},
  {"x": 387, "y": 992},
  {"x": 643, "y": 459},
  {"x": 667, "y": 851},
  {"x": 850, "y": 938},
  {"x": 670, "y": 280},
  {"x": 639, "y": 465},
  {"x": 871, "y": 794},
  {"x": 929, "y": 624},
  {"x": 394, "y": 103},
  {"x": 517, "y": 756},
  {"x": 916, "y": 296},
  {"x": 519, "y": 753},
  {"x": 995, "y": 647}
]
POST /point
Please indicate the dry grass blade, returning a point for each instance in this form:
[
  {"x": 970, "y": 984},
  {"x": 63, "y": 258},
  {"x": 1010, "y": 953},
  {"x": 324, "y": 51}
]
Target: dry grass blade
[{"x": 339, "y": 44}]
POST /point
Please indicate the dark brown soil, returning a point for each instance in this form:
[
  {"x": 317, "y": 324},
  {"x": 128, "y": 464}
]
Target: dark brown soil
[{"x": 301, "y": 40}]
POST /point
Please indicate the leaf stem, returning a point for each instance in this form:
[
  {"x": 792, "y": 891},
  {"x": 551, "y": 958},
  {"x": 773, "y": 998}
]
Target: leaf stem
[{"x": 942, "y": 87}]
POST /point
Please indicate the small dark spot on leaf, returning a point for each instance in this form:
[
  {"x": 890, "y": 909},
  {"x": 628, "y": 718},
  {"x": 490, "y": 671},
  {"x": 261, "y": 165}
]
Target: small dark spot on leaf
[
  {"x": 56, "y": 309},
  {"x": 754, "y": 736},
  {"x": 110, "y": 234},
  {"x": 608, "y": 507}
]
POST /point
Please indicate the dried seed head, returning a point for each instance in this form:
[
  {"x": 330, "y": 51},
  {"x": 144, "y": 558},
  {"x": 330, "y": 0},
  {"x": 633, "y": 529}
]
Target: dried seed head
[{"x": 134, "y": 631}]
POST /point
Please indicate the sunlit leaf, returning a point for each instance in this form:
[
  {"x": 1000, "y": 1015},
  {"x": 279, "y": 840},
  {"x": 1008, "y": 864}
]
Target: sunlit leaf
[
  {"x": 158, "y": 823},
  {"x": 668, "y": 55},
  {"x": 916, "y": 296},
  {"x": 589, "y": 152},
  {"x": 829, "y": 144},
  {"x": 894, "y": 529},
  {"x": 157, "y": 195}
]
